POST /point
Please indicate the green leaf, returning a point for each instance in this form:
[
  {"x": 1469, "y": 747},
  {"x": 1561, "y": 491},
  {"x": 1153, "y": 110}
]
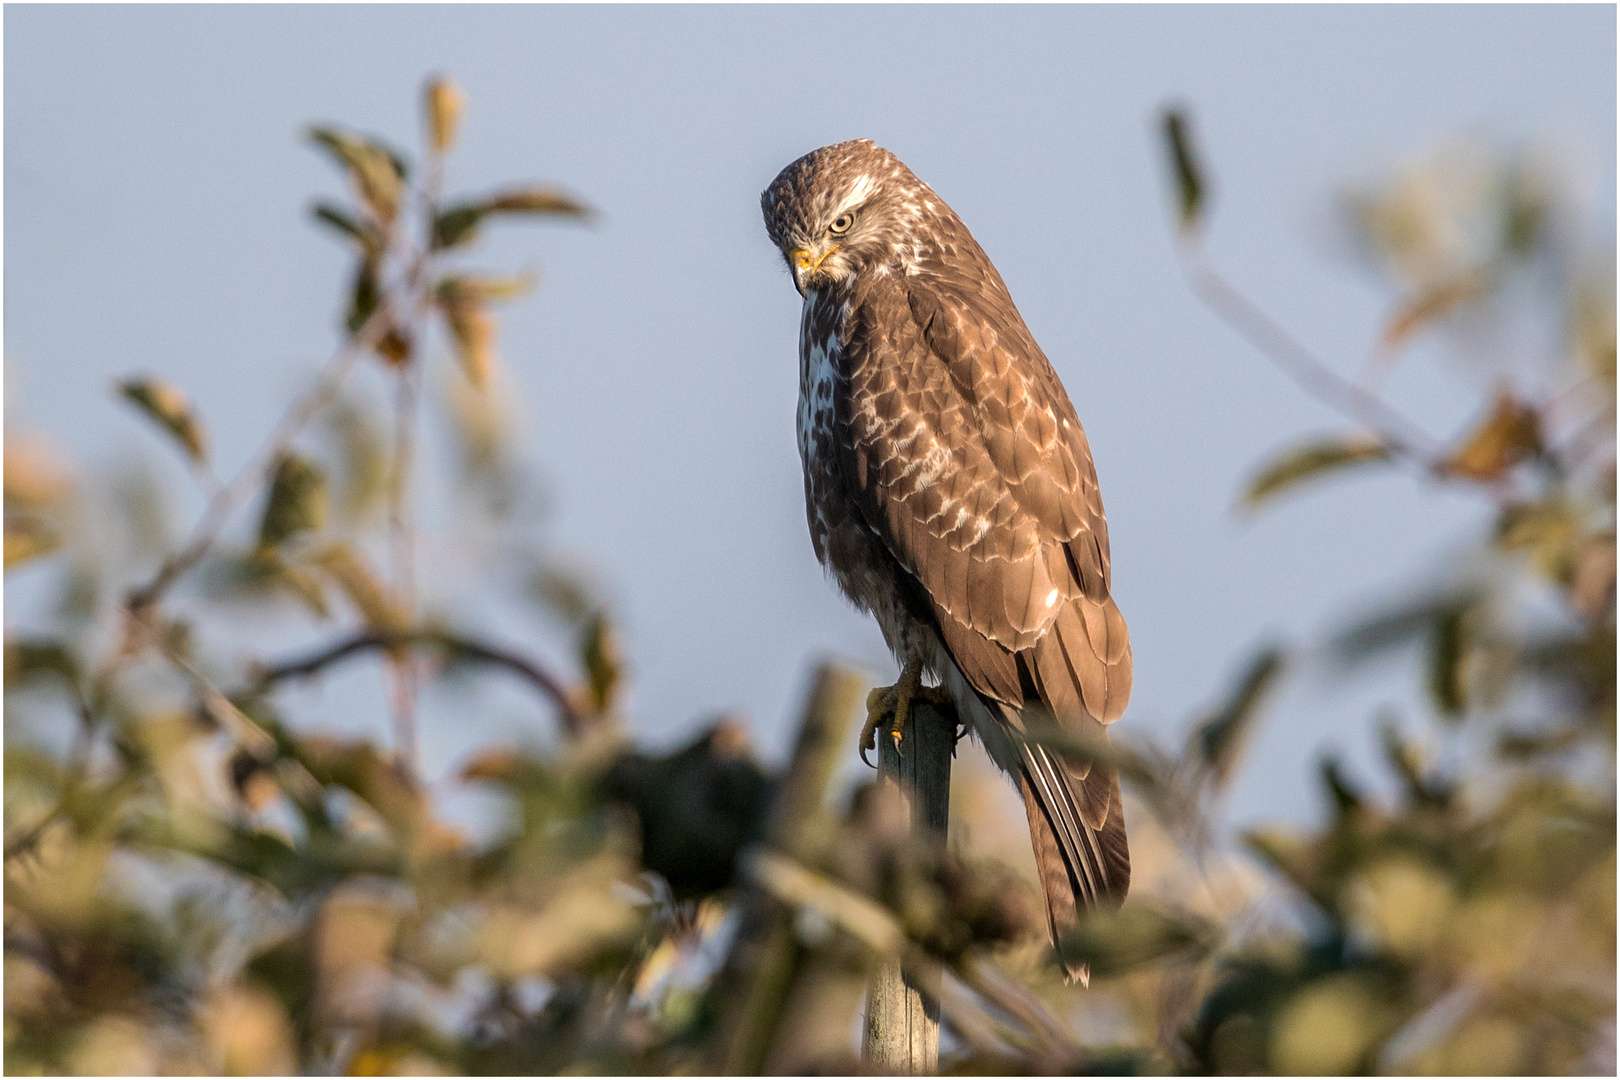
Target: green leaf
[
  {"x": 297, "y": 501},
  {"x": 1115, "y": 942},
  {"x": 1189, "y": 175},
  {"x": 1408, "y": 761},
  {"x": 458, "y": 223},
  {"x": 1291, "y": 855},
  {"x": 1394, "y": 628},
  {"x": 1310, "y": 460},
  {"x": 365, "y": 294},
  {"x": 363, "y": 233},
  {"x": 1218, "y": 741},
  {"x": 168, "y": 405},
  {"x": 29, "y": 658},
  {"x": 1447, "y": 647},
  {"x": 1346, "y": 798}
]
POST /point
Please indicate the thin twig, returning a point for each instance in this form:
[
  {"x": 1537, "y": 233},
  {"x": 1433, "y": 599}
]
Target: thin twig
[
  {"x": 464, "y": 648},
  {"x": 1296, "y": 361},
  {"x": 259, "y": 742},
  {"x": 248, "y": 479},
  {"x": 402, "y": 557}
]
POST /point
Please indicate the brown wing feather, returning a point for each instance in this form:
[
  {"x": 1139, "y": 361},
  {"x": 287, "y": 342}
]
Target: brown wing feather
[{"x": 972, "y": 467}]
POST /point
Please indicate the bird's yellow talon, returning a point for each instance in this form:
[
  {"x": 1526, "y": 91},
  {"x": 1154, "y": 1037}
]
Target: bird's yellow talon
[
  {"x": 890, "y": 707},
  {"x": 869, "y": 733}
]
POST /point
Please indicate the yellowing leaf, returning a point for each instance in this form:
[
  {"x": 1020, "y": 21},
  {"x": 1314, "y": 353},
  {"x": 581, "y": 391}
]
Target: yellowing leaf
[
  {"x": 604, "y": 666},
  {"x": 473, "y": 328},
  {"x": 349, "y": 570},
  {"x": 297, "y": 501},
  {"x": 394, "y": 346},
  {"x": 1404, "y": 904},
  {"x": 1310, "y": 460},
  {"x": 168, "y": 405},
  {"x": 500, "y": 764},
  {"x": 361, "y": 456},
  {"x": 584, "y": 915},
  {"x": 297, "y": 580},
  {"x": 1429, "y": 304},
  {"x": 1508, "y": 435},
  {"x": 28, "y": 538},
  {"x": 1592, "y": 589},
  {"x": 444, "y": 104},
  {"x": 1549, "y": 531},
  {"x": 35, "y": 474},
  {"x": 483, "y": 288},
  {"x": 378, "y": 174},
  {"x": 536, "y": 200}
]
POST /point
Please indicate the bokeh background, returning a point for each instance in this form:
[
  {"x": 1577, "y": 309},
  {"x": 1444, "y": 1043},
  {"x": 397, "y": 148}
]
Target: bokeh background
[{"x": 156, "y": 199}]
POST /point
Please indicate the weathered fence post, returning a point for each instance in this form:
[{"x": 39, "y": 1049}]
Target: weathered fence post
[
  {"x": 902, "y": 1010},
  {"x": 760, "y": 967}
]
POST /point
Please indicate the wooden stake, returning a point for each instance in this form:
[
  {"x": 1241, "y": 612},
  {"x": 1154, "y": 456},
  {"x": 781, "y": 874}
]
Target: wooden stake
[
  {"x": 902, "y": 1010},
  {"x": 760, "y": 968}
]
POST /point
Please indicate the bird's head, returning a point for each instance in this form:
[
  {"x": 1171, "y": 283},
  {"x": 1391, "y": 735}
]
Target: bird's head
[{"x": 844, "y": 210}]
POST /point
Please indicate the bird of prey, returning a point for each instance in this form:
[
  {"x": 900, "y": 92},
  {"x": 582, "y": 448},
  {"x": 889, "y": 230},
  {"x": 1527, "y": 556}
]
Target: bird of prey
[{"x": 951, "y": 494}]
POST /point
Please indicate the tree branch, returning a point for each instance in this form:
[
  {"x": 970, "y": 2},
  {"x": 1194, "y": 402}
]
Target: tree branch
[
  {"x": 243, "y": 484},
  {"x": 574, "y": 721},
  {"x": 1296, "y": 361}
]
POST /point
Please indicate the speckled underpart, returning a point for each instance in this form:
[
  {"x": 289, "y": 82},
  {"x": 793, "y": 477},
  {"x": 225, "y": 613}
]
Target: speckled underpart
[{"x": 950, "y": 489}]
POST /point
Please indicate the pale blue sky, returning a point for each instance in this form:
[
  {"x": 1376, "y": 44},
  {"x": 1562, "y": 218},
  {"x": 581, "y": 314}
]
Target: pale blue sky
[{"x": 155, "y": 219}]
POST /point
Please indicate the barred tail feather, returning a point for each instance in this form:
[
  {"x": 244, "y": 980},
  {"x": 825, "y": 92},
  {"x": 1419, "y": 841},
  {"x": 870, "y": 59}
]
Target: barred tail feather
[{"x": 1081, "y": 867}]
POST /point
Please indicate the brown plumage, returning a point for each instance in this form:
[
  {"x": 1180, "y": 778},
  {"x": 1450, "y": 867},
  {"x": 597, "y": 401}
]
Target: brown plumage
[{"x": 951, "y": 492}]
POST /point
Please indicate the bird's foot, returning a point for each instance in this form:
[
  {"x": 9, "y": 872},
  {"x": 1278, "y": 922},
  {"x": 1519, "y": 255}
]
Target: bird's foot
[{"x": 890, "y": 707}]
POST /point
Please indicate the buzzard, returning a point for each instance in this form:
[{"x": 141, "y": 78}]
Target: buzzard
[{"x": 951, "y": 494}]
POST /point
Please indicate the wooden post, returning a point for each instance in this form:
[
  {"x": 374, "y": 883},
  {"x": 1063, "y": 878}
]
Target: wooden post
[
  {"x": 759, "y": 970},
  {"x": 902, "y": 1013}
]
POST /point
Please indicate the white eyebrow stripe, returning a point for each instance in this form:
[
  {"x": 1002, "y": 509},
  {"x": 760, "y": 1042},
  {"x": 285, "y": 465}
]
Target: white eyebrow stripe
[{"x": 862, "y": 190}]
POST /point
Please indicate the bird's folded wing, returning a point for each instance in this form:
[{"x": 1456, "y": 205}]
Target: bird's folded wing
[{"x": 969, "y": 463}]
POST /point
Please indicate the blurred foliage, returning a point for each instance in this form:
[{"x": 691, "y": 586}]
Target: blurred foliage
[{"x": 197, "y": 881}]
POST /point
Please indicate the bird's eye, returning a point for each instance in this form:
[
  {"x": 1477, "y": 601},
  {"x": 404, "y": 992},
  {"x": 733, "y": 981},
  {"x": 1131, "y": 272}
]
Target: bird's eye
[{"x": 841, "y": 224}]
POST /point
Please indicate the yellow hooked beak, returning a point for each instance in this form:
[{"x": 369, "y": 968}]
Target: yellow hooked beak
[{"x": 807, "y": 262}]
